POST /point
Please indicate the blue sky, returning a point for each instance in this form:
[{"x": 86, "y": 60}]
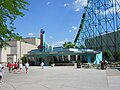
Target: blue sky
[{"x": 59, "y": 18}]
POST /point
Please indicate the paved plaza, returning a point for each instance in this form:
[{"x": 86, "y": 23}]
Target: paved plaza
[{"x": 62, "y": 78}]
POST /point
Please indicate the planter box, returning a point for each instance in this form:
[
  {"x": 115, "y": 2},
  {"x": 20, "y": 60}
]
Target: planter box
[
  {"x": 52, "y": 65},
  {"x": 64, "y": 64}
]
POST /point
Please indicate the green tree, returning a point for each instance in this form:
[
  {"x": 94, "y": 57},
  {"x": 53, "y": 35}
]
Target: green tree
[
  {"x": 9, "y": 11},
  {"x": 24, "y": 59},
  {"x": 116, "y": 55},
  {"x": 68, "y": 45},
  {"x": 107, "y": 54}
]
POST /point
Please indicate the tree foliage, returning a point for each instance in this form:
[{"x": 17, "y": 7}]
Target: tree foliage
[
  {"x": 24, "y": 59},
  {"x": 116, "y": 55},
  {"x": 68, "y": 45},
  {"x": 9, "y": 11},
  {"x": 107, "y": 54}
]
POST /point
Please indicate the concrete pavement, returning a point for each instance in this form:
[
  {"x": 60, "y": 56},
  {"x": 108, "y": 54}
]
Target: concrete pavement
[{"x": 62, "y": 78}]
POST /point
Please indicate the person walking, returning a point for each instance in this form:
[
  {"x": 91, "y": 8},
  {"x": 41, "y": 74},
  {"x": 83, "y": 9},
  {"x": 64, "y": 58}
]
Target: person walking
[
  {"x": 20, "y": 66},
  {"x": 104, "y": 64},
  {"x": 15, "y": 67},
  {"x": 10, "y": 66},
  {"x": 26, "y": 67},
  {"x": 42, "y": 65},
  {"x": 1, "y": 73}
]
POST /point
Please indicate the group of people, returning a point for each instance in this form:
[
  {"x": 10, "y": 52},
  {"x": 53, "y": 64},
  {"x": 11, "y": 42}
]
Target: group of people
[
  {"x": 17, "y": 66},
  {"x": 14, "y": 66}
]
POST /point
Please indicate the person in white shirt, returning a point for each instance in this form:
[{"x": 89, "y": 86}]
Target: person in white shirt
[
  {"x": 42, "y": 64},
  {"x": 20, "y": 66},
  {"x": 26, "y": 67},
  {"x": 1, "y": 73}
]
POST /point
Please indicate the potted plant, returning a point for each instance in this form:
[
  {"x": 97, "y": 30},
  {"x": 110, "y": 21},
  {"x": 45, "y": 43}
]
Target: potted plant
[
  {"x": 52, "y": 65},
  {"x": 78, "y": 63}
]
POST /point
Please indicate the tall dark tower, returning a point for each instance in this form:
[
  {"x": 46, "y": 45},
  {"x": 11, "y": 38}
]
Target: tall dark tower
[{"x": 41, "y": 46}]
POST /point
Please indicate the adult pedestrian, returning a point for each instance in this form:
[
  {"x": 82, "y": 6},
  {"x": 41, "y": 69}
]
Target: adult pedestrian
[
  {"x": 20, "y": 66},
  {"x": 26, "y": 67},
  {"x": 10, "y": 66},
  {"x": 42, "y": 65},
  {"x": 15, "y": 67},
  {"x": 104, "y": 64}
]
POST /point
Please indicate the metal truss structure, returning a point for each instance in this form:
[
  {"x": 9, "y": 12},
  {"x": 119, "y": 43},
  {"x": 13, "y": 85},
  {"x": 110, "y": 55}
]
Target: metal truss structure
[{"x": 100, "y": 27}]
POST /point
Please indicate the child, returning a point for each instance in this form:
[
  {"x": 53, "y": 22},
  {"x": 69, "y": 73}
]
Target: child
[{"x": 1, "y": 73}]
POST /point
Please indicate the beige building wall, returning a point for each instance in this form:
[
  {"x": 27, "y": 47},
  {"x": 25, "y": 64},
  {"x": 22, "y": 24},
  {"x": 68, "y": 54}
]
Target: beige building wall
[
  {"x": 20, "y": 48},
  {"x": 3, "y": 54},
  {"x": 13, "y": 45},
  {"x": 34, "y": 41},
  {"x": 23, "y": 48},
  {"x": 11, "y": 58},
  {"x": 17, "y": 49}
]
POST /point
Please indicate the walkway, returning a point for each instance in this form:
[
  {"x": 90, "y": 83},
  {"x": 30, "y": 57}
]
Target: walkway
[{"x": 62, "y": 78}]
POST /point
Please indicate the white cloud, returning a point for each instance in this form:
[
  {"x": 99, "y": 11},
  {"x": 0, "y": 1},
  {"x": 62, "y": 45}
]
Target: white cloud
[
  {"x": 66, "y": 4},
  {"x": 59, "y": 43},
  {"x": 116, "y": 0},
  {"x": 73, "y": 29},
  {"x": 78, "y": 9},
  {"x": 109, "y": 10},
  {"x": 51, "y": 37},
  {"x": 31, "y": 34},
  {"x": 48, "y": 3},
  {"x": 79, "y": 4}
]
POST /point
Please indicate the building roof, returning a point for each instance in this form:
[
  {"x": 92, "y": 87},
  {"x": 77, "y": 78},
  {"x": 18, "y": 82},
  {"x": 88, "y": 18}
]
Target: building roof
[{"x": 63, "y": 51}]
